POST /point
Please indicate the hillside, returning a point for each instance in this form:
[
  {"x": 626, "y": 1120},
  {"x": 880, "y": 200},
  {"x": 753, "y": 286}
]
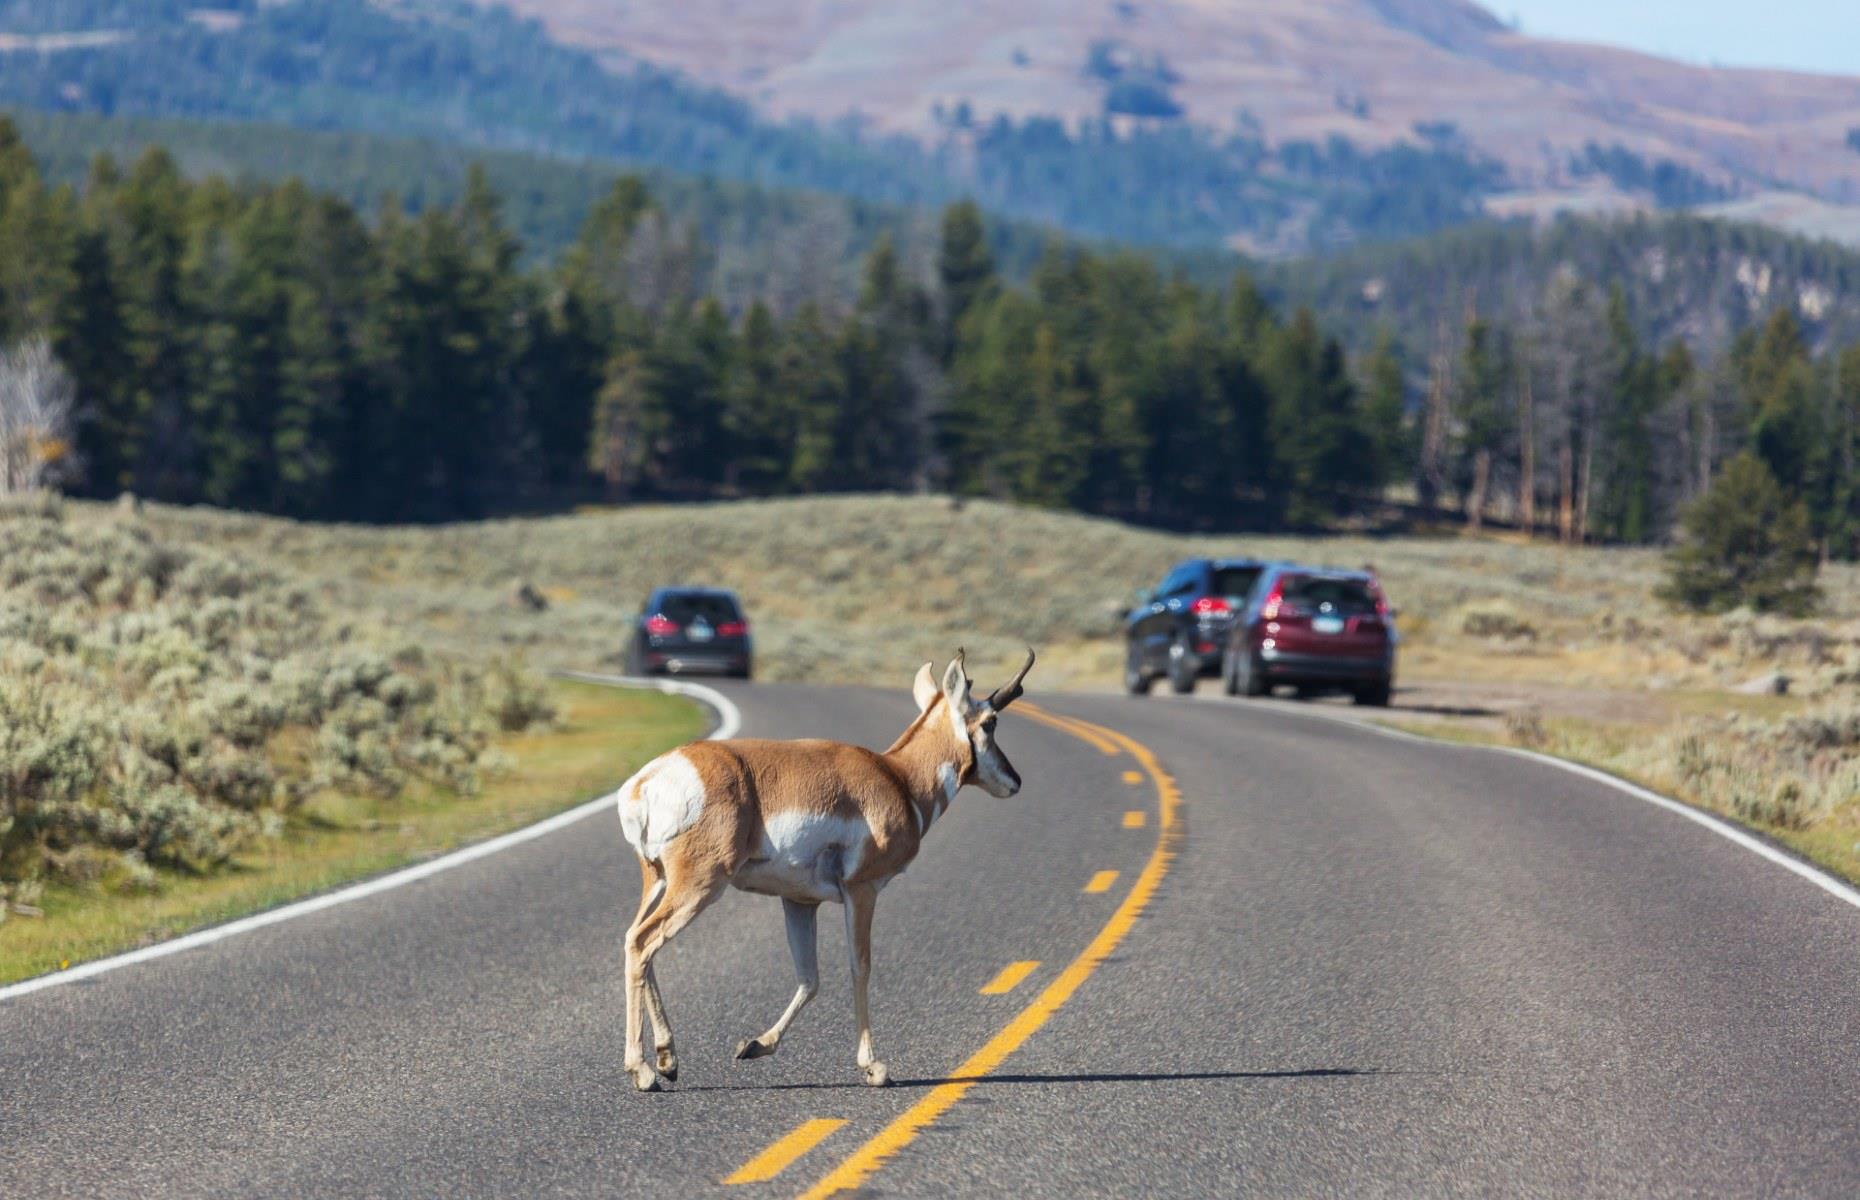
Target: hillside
[
  {"x": 1371, "y": 71},
  {"x": 1151, "y": 167},
  {"x": 784, "y": 245},
  {"x": 861, "y": 588},
  {"x": 1699, "y": 279},
  {"x": 1703, "y": 281}
]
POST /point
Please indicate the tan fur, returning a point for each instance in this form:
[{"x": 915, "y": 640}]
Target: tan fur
[{"x": 890, "y": 798}]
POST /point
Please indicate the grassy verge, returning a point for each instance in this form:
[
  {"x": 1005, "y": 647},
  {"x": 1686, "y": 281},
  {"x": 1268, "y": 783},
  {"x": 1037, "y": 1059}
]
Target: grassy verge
[{"x": 602, "y": 736}]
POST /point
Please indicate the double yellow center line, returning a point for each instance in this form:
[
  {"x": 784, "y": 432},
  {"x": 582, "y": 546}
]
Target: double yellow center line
[{"x": 865, "y": 1162}]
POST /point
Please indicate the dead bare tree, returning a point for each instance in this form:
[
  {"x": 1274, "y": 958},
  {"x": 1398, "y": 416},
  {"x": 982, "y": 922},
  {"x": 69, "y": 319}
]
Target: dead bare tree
[
  {"x": 1527, "y": 450},
  {"x": 37, "y": 416},
  {"x": 1436, "y": 422},
  {"x": 1574, "y": 335}
]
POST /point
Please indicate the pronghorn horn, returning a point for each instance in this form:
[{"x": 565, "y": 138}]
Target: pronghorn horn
[{"x": 1009, "y": 692}]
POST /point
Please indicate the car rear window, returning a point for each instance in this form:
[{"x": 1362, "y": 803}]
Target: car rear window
[
  {"x": 1234, "y": 581},
  {"x": 1342, "y": 595},
  {"x": 685, "y": 607}
]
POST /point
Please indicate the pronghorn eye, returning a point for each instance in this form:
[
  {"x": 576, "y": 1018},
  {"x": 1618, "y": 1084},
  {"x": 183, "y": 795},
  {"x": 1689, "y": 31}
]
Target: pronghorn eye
[{"x": 988, "y": 725}]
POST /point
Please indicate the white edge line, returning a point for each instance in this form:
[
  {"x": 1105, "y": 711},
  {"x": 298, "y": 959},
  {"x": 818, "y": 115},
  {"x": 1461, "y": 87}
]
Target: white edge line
[
  {"x": 1839, "y": 889},
  {"x": 729, "y": 722}
]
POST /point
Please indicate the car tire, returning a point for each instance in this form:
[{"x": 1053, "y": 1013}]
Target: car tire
[
  {"x": 635, "y": 661},
  {"x": 1230, "y": 672},
  {"x": 1181, "y": 670},
  {"x": 743, "y": 672},
  {"x": 1374, "y": 695},
  {"x": 1250, "y": 677},
  {"x": 1136, "y": 680}
]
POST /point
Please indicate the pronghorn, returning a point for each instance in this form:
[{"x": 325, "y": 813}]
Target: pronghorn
[{"x": 807, "y": 821}]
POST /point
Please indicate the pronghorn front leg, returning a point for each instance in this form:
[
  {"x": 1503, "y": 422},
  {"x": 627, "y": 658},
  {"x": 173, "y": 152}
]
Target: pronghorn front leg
[
  {"x": 860, "y": 900},
  {"x": 801, "y": 924}
]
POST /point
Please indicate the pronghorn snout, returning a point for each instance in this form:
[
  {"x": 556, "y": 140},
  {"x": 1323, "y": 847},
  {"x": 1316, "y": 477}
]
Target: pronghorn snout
[{"x": 996, "y": 774}]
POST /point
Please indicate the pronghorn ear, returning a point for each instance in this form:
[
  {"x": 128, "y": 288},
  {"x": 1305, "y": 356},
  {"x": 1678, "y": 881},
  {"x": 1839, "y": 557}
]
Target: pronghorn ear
[
  {"x": 923, "y": 688},
  {"x": 956, "y": 680}
]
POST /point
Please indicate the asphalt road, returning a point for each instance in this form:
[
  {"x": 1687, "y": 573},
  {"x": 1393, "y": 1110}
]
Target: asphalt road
[{"x": 1373, "y": 967}]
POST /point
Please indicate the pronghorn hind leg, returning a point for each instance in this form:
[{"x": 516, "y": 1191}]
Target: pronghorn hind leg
[
  {"x": 652, "y": 890},
  {"x": 687, "y": 891},
  {"x": 800, "y": 920},
  {"x": 664, "y": 1053},
  {"x": 860, "y": 901}
]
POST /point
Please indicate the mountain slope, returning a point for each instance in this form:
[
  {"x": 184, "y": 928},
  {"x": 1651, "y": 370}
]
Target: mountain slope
[
  {"x": 441, "y": 68},
  {"x": 1700, "y": 281},
  {"x": 1369, "y": 70},
  {"x": 783, "y": 246}
]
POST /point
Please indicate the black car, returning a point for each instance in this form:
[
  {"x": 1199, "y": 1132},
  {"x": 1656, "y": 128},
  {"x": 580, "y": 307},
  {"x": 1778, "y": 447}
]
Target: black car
[
  {"x": 1179, "y": 629},
  {"x": 690, "y": 629}
]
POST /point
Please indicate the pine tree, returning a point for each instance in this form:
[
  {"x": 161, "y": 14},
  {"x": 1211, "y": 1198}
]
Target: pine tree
[
  {"x": 1385, "y": 413},
  {"x": 146, "y": 218},
  {"x": 811, "y": 391},
  {"x": 1747, "y": 544},
  {"x": 1325, "y": 457},
  {"x": 753, "y": 421},
  {"x": 965, "y": 266},
  {"x": 1625, "y": 504},
  {"x": 595, "y": 268},
  {"x": 1843, "y": 519},
  {"x": 1050, "y": 458},
  {"x": 1786, "y": 400},
  {"x": 1484, "y": 383}
]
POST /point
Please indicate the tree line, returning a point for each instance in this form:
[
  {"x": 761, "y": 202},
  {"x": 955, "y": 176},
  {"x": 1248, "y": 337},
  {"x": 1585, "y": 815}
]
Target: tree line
[
  {"x": 272, "y": 348},
  {"x": 1567, "y": 421}
]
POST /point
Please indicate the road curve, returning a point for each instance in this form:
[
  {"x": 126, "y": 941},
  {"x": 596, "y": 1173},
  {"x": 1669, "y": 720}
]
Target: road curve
[{"x": 1373, "y": 967}]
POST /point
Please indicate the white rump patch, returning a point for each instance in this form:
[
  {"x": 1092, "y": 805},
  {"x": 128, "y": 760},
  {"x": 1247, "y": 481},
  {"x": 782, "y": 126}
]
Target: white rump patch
[
  {"x": 804, "y": 855},
  {"x": 662, "y": 801}
]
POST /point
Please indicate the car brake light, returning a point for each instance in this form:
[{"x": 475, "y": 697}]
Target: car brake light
[
  {"x": 1278, "y": 608},
  {"x": 733, "y": 629},
  {"x": 660, "y": 625},
  {"x": 1211, "y": 606}
]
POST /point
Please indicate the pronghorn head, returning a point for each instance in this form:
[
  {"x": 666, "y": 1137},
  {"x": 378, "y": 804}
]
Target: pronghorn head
[{"x": 972, "y": 722}]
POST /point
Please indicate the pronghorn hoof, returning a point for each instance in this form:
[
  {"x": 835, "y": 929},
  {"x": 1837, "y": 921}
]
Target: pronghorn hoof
[
  {"x": 753, "y": 1048},
  {"x": 668, "y": 1065},
  {"x": 876, "y": 1075},
  {"x": 645, "y": 1079}
]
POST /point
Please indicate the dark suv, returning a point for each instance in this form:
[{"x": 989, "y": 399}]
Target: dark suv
[
  {"x": 690, "y": 629},
  {"x": 1179, "y": 628},
  {"x": 1315, "y": 628}
]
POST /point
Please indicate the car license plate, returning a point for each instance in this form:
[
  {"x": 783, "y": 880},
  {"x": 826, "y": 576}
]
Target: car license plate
[
  {"x": 1326, "y": 624},
  {"x": 701, "y": 632}
]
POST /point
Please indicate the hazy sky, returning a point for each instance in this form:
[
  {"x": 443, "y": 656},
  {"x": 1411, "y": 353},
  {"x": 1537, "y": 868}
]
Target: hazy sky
[{"x": 1811, "y": 35}]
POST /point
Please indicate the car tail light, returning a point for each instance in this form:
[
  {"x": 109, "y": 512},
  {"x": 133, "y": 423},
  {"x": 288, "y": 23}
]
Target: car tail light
[
  {"x": 1278, "y": 608},
  {"x": 661, "y": 626},
  {"x": 733, "y": 629},
  {"x": 1211, "y": 606}
]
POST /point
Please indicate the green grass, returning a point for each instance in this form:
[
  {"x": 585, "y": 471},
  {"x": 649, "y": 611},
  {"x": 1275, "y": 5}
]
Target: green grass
[{"x": 601, "y": 737}]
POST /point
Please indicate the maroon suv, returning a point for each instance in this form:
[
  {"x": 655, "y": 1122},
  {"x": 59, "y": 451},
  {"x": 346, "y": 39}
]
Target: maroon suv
[{"x": 1316, "y": 629}]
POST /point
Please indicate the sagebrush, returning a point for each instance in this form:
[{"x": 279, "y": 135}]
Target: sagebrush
[{"x": 164, "y": 704}]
